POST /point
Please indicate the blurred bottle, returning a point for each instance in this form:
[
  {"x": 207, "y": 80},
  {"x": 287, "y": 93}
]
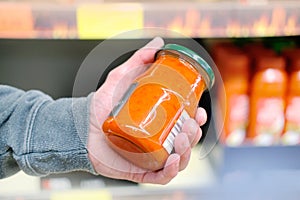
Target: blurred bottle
[
  {"x": 291, "y": 135},
  {"x": 267, "y": 101},
  {"x": 220, "y": 52},
  {"x": 236, "y": 84},
  {"x": 234, "y": 68}
]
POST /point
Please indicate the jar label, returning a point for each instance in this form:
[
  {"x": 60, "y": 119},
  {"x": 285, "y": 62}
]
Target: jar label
[
  {"x": 238, "y": 114},
  {"x": 123, "y": 100},
  {"x": 169, "y": 142},
  {"x": 292, "y": 110},
  {"x": 269, "y": 121},
  {"x": 291, "y": 135}
]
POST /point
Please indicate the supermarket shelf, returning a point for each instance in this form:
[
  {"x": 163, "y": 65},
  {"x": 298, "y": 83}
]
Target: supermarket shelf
[
  {"x": 201, "y": 19},
  {"x": 192, "y": 182},
  {"x": 227, "y": 160}
]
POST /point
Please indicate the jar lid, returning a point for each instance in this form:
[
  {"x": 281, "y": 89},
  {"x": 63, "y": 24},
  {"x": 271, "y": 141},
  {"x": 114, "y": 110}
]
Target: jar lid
[
  {"x": 205, "y": 70},
  {"x": 276, "y": 62}
]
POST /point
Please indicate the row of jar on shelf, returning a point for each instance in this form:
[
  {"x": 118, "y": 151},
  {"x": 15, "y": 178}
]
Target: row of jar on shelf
[{"x": 261, "y": 104}]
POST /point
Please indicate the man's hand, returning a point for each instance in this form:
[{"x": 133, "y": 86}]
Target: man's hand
[{"x": 109, "y": 163}]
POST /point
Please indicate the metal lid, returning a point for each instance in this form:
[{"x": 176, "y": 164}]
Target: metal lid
[{"x": 203, "y": 67}]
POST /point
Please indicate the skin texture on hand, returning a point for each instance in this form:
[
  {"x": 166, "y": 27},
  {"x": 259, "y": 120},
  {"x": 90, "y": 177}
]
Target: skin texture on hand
[{"x": 109, "y": 163}]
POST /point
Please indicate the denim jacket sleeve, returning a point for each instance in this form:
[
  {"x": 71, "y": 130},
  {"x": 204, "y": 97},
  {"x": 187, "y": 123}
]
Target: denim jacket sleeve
[{"x": 40, "y": 135}]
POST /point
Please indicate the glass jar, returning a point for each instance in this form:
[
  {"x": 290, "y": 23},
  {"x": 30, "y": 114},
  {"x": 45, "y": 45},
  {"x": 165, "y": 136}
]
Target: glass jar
[
  {"x": 267, "y": 101},
  {"x": 143, "y": 125}
]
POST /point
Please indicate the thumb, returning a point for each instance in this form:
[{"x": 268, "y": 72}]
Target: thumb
[{"x": 146, "y": 54}]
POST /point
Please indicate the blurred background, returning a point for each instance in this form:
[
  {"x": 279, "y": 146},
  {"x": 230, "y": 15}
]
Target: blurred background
[{"x": 255, "y": 46}]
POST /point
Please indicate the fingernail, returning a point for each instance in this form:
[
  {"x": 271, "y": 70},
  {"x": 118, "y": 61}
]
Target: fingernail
[
  {"x": 201, "y": 116},
  {"x": 157, "y": 42}
]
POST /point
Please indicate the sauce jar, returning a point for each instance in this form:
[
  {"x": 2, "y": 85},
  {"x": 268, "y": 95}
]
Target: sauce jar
[
  {"x": 291, "y": 134},
  {"x": 267, "y": 101},
  {"x": 143, "y": 125},
  {"x": 236, "y": 84}
]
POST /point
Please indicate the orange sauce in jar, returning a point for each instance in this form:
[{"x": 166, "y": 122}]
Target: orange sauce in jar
[{"x": 143, "y": 125}]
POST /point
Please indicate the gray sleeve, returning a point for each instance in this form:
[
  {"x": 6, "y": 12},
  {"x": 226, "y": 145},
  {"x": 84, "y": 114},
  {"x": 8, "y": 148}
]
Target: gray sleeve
[{"x": 42, "y": 136}]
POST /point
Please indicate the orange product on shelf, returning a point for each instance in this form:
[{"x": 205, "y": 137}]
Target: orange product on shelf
[
  {"x": 267, "y": 101},
  {"x": 220, "y": 53},
  {"x": 291, "y": 135},
  {"x": 236, "y": 84},
  {"x": 143, "y": 125}
]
